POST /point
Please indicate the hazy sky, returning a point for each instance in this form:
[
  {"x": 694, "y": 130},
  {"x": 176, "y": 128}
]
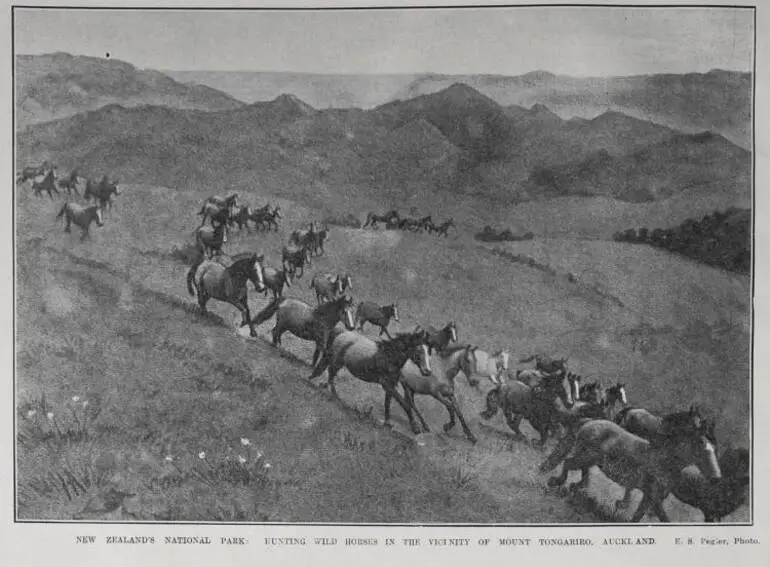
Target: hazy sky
[{"x": 510, "y": 41}]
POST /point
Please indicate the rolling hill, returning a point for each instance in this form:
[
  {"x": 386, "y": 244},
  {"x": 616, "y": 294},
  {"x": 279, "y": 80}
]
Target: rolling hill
[
  {"x": 656, "y": 172},
  {"x": 58, "y": 85},
  {"x": 718, "y": 100}
]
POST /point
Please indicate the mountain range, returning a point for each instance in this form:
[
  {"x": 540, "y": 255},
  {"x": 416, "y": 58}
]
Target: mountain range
[
  {"x": 717, "y": 100},
  {"x": 457, "y": 140}
]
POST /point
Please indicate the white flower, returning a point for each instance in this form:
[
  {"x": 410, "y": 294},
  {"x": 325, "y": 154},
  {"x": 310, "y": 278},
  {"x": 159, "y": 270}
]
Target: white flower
[
  {"x": 76, "y": 399},
  {"x": 245, "y": 442},
  {"x": 241, "y": 459},
  {"x": 49, "y": 415},
  {"x": 202, "y": 455},
  {"x": 169, "y": 459},
  {"x": 31, "y": 413}
]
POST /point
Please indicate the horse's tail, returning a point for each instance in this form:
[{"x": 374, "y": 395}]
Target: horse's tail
[
  {"x": 560, "y": 452},
  {"x": 191, "y": 277},
  {"x": 268, "y": 311},
  {"x": 63, "y": 208}
]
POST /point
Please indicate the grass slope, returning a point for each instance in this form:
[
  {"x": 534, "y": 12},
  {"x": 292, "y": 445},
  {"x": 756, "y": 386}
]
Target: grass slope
[{"x": 109, "y": 321}]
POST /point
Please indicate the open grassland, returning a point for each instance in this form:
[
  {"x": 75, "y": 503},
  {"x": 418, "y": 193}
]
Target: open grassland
[{"x": 109, "y": 321}]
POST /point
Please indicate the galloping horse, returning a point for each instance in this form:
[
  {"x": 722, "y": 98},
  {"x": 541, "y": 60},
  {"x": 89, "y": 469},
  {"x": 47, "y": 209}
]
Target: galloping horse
[
  {"x": 70, "y": 183},
  {"x": 536, "y": 404},
  {"x": 369, "y": 312},
  {"x": 440, "y": 384},
  {"x": 328, "y": 286},
  {"x": 276, "y": 280},
  {"x": 81, "y": 216},
  {"x": 634, "y": 462},
  {"x": 378, "y": 362},
  {"x": 212, "y": 280},
  {"x": 305, "y": 322},
  {"x": 439, "y": 339},
  {"x": 47, "y": 184},
  {"x": 443, "y": 228},
  {"x": 291, "y": 259},
  {"x": 210, "y": 239},
  {"x": 716, "y": 499},
  {"x": 101, "y": 191},
  {"x": 33, "y": 172},
  {"x": 372, "y": 218}
]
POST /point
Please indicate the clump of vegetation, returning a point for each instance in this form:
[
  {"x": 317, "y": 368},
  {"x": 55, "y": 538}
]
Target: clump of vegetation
[
  {"x": 721, "y": 239},
  {"x": 350, "y": 220},
  {"x": 491, "y": 235}
]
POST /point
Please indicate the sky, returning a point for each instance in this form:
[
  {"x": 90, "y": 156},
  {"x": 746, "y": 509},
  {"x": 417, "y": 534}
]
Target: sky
[{"x": 508, "y": 41}]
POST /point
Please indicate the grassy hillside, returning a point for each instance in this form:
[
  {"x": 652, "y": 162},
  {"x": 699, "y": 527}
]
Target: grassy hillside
[
  {"x": 53, "y": 86},
  {"x": 109, "y": 321}
]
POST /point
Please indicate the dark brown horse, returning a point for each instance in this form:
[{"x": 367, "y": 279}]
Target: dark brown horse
[
  {"x": 439, "y": 339},
  {"x": 293, "y": 259},
  {"x": 47, "y": 184},
  {"x": 306, "y": 322},
  {"x": 369, "y": 312},
  {"x": 211, "y": 279},
  {"x": 378, "y": 362},
  {"x": 328, "y": 286}
]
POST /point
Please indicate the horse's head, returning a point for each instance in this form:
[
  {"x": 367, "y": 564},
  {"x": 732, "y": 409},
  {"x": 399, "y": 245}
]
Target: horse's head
[
  {"x": 347, "y": 282},
  {"x": 419, "y": 353},
  {"x": 257, "y": 271},
  {"x": 337, "y": 283},
  {"x": 345, "y": 310},
  {"x": 492, "y": 402},
  {"x": 288, "y": 277},
  {"x": 703, "y": 446},
  {"x": 468, "y": 365},
  {"x": 98, "y": 215},
  {"x": 114, "y": 187},
  {"x": 452, "y": 328},
  {"x": 392, "y": 309},
  {"x": 617, "y": 393},
  {"x": 277, "y": 213},
  {"x": 574, "y": 384}
]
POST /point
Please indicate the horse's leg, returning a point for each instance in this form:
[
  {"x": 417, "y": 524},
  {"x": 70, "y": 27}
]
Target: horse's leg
[
  {"x": 68, "y": 227},
  {"x": 513, "y": 420},
  {"x": 203, "y": 299},
  {"x": 466, "y": 429},
  {"x": 448, "y": 403},
  {"x": 403, "y": 404},
  {"x": 409, "y": 396},
  {"x": 387, "y": 333},
  {"x": 559, "y": 480}
]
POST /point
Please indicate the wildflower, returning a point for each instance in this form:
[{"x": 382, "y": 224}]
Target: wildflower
[
  {"x": 241, "y": 459},
  {"x": 202, "y": 455},
  {"x": 49, "y": 415},
  {"x": 245, "y": 442},
  {"x": 76, "y": 399},
  {"x": 31, "y": 413},
  {"x": 169, "y": 459}
]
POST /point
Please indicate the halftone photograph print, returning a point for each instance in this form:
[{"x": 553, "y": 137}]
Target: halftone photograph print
[{"x": 467, "y": 266}]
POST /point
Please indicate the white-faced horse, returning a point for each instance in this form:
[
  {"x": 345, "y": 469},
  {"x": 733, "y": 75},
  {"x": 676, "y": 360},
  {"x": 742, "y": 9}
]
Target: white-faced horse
[{"x": 81, "y": 216}]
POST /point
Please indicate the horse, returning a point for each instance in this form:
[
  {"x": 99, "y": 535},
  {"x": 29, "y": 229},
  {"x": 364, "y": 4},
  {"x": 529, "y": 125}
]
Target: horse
[
  {"x": 439, "y": 339},
  {"x": 368, "y": 312},
  {"x": 70, "y": 183},
  {"x": 716, "y": 499},
  {"x": 47, "y": 184},
  {"x": 242, "y": 217},
  {"x": 328, "y": 286},
  {"x": 215, "y": 213},
  {"x": 81, "y": 216},
  {"x": 377, "y": 362},
  {"x": 546, "y": 364},
  {"x": 306, "y": 322},
  {"x": 32, "y": 172},
  {"x": 440, "y": 384},
  {"x": 230, "y": 202},
  {"x": 536, "y": 404},
  {"x": 317, "y": 241},
  {"x": 634, "y": 462},
  {"x": 210, "y": 239},
  {"x": 291, "y": 259},
  {"x": 444, "y": 227},
  {"x": 211, "y": 279},
  {"x": 101, "y": 191},
  {"x": 276, "y": 280},
  {"x": 642, "y": 423},
  {"x": 302, "y": 238},
  {"x": 426, "y": 224},
  {"x": 615, "y": 394},
  {"x": 372, "y": 218},
  {"x": 268, "y": 220}
]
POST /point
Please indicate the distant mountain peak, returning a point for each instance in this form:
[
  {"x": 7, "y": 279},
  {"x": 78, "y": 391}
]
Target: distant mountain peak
[
  {"x": 542, "y": 110},
  {"x": 293, "y": 103},
  {"x": 538, "y": 75}
]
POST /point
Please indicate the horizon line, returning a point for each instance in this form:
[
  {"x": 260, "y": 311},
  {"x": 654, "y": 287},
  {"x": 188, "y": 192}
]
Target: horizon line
[{"x": 396, "y": 74}]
